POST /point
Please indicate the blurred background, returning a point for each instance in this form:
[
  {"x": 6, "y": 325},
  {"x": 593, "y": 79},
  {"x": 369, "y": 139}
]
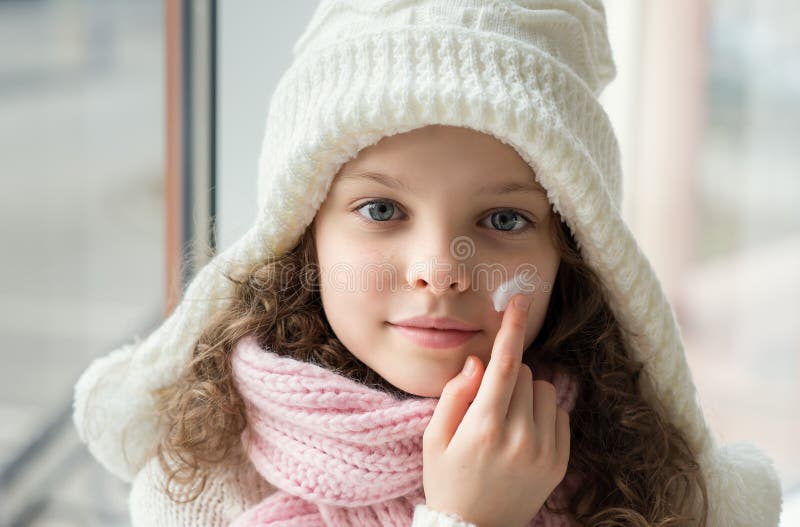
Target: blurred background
[{"x": 127, "y": 127}]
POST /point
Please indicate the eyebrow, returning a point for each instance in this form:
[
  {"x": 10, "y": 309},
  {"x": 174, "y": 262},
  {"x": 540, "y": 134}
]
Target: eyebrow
[{"x": 531, "y": 187}]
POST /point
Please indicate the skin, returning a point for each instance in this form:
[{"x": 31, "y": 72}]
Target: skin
[
  {"x": 497, "y": 444},
  {"x": 393, "y": 260}
]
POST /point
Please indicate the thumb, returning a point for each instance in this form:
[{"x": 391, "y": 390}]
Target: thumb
[{"x": 454, "y": 402}]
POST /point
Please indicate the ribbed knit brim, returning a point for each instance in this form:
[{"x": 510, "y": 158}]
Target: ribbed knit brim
[{"x": 337, "y": 99}]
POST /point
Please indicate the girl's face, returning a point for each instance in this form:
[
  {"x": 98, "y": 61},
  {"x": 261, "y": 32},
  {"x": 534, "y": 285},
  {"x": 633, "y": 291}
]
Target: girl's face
[{"x": 429, "y": 223}]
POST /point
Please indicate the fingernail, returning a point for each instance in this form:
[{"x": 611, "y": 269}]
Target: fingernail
[
  {"x": 469, "y": 367},
  {"x": 522, "y": 302}
]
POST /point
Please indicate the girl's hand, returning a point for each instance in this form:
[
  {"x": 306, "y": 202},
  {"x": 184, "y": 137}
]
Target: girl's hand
[{"x": 495, "y": 461}]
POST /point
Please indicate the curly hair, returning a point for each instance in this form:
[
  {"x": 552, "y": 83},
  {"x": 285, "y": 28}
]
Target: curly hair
[{"x": 636, "y": 468}]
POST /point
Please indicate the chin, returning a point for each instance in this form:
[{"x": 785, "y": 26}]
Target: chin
[
  {"x": 425, "y": 389},
  {"x": 421, "y": 393}
]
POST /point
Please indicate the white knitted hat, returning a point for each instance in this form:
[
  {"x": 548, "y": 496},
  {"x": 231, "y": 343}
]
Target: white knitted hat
[{"x": 527, "y": 72}]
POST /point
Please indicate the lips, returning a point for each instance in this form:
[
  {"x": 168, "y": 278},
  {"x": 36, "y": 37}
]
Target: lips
[
  {"x": 434, "y": 338},
  {"x": 443, "y": 323}
]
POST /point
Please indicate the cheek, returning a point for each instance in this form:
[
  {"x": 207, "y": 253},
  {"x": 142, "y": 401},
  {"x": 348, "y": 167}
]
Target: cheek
[
  {"x": 375, "y": 271},
  {"x": 536, "y": 316},
  {"x": 353, "y": 276}
]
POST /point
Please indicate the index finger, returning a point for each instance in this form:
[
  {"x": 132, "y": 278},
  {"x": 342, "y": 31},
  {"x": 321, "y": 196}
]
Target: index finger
[{"x": 500, "y": 377}]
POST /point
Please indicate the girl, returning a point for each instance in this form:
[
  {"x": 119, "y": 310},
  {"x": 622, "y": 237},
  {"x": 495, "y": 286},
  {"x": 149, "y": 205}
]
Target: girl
[{"x": 418, "y": 157}]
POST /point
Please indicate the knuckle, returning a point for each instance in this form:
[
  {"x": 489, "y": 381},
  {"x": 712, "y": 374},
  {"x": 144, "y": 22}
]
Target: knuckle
[
  {"x": 521, "y": 445},
  {"x": 539, "y": 452},
  {"x": 520, "y": 320},
  {"x": 545, "y": 463},
  {"x": 488, "y": 433},
  {"x": 451, "y": 390},
  {"x": 545, "y": 388},
  {"x": 506, "y": 364},
  {"x": 545, "y": 449}
]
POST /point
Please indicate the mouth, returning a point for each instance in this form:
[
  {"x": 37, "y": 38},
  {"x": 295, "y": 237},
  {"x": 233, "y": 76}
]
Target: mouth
[{"x": 434, "y": 338}]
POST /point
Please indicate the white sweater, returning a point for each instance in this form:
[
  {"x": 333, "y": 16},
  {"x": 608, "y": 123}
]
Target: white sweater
[{"x": 227, "y": 494}]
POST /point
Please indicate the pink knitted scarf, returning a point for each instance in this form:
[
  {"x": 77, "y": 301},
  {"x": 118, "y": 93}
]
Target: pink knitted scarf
[{"x": 339, "y": 452}]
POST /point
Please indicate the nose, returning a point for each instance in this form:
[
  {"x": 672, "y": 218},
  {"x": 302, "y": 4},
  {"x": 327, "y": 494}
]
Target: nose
[{"x": 441, "y": 264}]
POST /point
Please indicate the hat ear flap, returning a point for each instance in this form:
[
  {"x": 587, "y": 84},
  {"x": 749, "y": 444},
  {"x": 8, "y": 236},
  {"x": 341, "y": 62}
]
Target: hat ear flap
[{"x": 744, "y": 489}]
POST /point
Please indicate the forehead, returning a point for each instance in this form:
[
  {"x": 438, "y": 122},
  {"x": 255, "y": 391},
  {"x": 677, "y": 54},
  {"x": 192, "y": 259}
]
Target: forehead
[
  {"x": 490, "y": 186},
  {"x": 460, "y": 156}
]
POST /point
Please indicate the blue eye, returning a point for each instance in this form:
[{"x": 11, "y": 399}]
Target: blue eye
[
  {"x": 381, "y": 211},
  {"x": 378, "y": 207},
  {"x": 508, "y": 217}
]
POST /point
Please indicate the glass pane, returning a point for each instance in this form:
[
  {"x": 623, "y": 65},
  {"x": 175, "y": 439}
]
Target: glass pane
[
  {"x": 742, "y": 290},
  {"x": 81, "y": 143},
  {"x": 707, "y": 108}
]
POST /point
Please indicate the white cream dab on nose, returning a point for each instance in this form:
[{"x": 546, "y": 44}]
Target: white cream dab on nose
[{"x": 502, "y": 295}]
